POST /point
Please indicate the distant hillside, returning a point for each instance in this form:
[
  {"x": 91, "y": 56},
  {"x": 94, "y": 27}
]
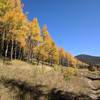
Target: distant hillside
[{"x": 89, "y": 59}]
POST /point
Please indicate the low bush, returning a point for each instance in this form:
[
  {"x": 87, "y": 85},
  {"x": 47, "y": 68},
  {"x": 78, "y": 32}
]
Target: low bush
[{"x": 69, "y": 72}]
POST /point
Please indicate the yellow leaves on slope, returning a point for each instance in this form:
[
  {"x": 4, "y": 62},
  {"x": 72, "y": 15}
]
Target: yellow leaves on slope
[
  {"x": 54, "y": 53},
  {"x": 35, "y": 29},
  {"x": 15, "y": 19},
  {"x": 5, "y": 6},
  {"x": 45, "y": 30},
  {"x": 71, "y": 59},
  {"x": 15, "y": 15},
  {"x": 28, "y": 34},
  {"x": 61, "y": 52},
  {"x": 35, "y": 26},
  {"x": 46, "y": 37},
  {"x": 21, "y": 38}
]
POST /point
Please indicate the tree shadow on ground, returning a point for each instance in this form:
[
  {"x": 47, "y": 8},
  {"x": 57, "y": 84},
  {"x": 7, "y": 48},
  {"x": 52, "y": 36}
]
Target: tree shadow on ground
[
  {"x": 26, "y": 91},
  {"x": 60, "y": 95}
]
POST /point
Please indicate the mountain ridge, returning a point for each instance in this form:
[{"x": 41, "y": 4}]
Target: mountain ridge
[{"x": 89, "y": 59}]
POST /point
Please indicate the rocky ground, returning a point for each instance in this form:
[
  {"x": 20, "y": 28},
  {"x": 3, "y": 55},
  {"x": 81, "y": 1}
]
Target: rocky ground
[{"x": 93, "y": 82}]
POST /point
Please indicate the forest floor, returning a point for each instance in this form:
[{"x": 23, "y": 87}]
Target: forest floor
[{"x": 22, "y": 81}]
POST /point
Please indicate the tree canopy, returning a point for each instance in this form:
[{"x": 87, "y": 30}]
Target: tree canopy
[{"x": 23, "y": 39}]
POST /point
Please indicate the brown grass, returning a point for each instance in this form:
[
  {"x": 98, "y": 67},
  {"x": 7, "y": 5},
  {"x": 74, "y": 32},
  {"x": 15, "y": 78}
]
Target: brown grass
[{"x": 22, "y": 75}]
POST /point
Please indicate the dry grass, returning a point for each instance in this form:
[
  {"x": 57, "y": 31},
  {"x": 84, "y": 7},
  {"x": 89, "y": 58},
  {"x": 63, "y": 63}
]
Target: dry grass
[{"x": 32, "y": 75}]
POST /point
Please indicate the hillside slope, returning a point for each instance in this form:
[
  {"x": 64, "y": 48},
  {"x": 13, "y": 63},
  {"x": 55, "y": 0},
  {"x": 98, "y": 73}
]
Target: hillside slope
[
  {"x": 22, "y": 81},
  {"x": 89, "y": 59}
]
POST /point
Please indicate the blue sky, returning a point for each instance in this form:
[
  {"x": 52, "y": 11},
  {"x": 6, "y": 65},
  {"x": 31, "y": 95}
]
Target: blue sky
[{"x": 73, "y": 24}]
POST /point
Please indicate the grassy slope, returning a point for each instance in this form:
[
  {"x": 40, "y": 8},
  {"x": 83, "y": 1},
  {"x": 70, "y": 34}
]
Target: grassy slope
[{"x": 20, "y": 77}]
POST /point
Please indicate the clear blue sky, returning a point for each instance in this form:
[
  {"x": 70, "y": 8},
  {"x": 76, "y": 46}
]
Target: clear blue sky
[{"x": 73, "y": 24}]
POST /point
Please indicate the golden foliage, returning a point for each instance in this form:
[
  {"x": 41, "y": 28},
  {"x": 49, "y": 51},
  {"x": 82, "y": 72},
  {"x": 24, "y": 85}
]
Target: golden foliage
[
  {"x": 68, "y": 72},
  {"x": 16, "y": 27}
]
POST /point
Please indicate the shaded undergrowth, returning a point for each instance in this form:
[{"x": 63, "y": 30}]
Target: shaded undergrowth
[{"x": 25, "y": 91}]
